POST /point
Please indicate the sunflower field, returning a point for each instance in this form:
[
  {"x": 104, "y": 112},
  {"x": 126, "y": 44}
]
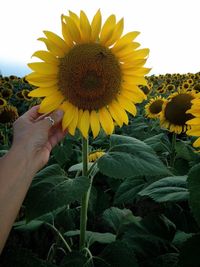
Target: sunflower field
[
  {"x": 122, "y": 188},
  {"x": 144, "y": 206}
]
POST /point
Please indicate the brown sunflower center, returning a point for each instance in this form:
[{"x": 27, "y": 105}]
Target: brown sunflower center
[
  {"x": 2, "y": 102},
  {"x": 89, "y": 76},
  {"x": 175, "y": 111},
  {"x": 156, "y": 106}
]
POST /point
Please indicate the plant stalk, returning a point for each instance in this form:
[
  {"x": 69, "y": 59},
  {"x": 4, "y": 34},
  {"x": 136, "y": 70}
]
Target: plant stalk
[{"x": 173, "y": 150}]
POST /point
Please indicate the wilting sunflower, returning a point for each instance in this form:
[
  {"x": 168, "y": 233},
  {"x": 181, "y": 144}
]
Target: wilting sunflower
[
  {"x": 154, "y": 107},
  {"x": 93, "y": 156},
  {"x": 8, "y": 114},
  {"x": 195, "y": 122},
  {"x": 3, "y": 102},
  {"x": 92, "y": 74},
  {"x": 174, "y": 111}
]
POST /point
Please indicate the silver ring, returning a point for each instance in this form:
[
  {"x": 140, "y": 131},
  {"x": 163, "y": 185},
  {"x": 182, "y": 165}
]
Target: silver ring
[{"x": 50, "y": 119}]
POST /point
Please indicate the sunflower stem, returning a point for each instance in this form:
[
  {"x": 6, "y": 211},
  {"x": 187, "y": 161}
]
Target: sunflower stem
[
  {"x": 173, "y": 150},
  {"x": 85, "y": 198}
]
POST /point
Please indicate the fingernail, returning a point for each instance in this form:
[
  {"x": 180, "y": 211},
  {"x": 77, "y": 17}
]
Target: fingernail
[{"x": 59, "y": 113}]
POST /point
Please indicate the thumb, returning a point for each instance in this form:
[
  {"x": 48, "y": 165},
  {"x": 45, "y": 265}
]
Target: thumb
[{"x": 52, "y": 119}]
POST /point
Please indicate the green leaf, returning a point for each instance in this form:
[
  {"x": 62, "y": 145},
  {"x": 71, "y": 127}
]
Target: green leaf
[
  {"x": 172, "y": 188},
  {"x": 78, "y": 167},
  {"x": 115, "y": 217},
  {"x": 159, "y": 142},
  {"x": 52, "y": 193},
  {"x": 194, "y": 189},
  {"x": 129, "y": 157},
  {"x": 62, "y": 153},
  {"x": 190, "y": 251},
  {"x": 128, "y": 190},
  {"x": 166, "y": 260},
  {"x": 73, "y": 259},
  {"x": 91, "y": 237},
  {"x": 119, "y": 254}
]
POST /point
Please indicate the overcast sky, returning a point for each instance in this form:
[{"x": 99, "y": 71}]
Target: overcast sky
[{"x": 170, "y": 28}]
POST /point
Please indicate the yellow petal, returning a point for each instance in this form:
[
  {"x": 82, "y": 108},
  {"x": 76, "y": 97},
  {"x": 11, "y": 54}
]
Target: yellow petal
[
  {"x": 85, "y": 123},
  {"x": 114, "y": 114},
  {"x": 46, "y": 56},
  {"x": 42, "y": 80},
  {"x": 80, "y": 113},
  {"x": 52, "y": 47},
  {"x": 196, "y": 143},
  {"x": 136, "y": 63},
  {"x": 94, "y": 122},
  {"x": 69, "y": 110},
  {"x": 139, "y": 54},
  {"x": 65, "y": 32},
  {"x": 51, "y": 102},
  {"x": 116, "y": 33},
  {"x": 195, "y": 121},
  {"x": 57, "y": 40},
  {"x": 127, "y": 104},
  {"x": 106, "y": 120},
  {"x": 126, "y": 50},
  {"x": 85, "y": 28},
  {"x": 134, "y": 80},
  {"x": 126, "y": 39},
  {"x": 43, "y": 91},
  {"x": 73, "y": 30},
  {"x": 121, "y": 113},
  {"x": 107, "y": 29},
  {"x": 43, "y": 67},
  {"x": 96, "y": 26},
  {"x": 73, "y": 124},
  {"x": 75, "y": 18},
  {"x": 142, "y": 71}
]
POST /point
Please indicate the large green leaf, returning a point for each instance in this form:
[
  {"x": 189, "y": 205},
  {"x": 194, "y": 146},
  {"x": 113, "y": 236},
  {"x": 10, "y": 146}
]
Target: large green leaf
[
  {"x": 159, "y": 142},
  {"x": 52, "y": 193},
  {"x": 119, "y": 254},
  {"x": 194, "y": 189},
  {"x": 130, "y": 157},
  {"x": 172, "y": 188},
  {"x": 128, "y": 190}
]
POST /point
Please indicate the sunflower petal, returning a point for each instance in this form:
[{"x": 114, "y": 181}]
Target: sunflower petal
[
  {"x": 51, "y": 102},
  {"x": 57, "y": 40},
  {"x": 94, "y": 122},
  {"x": 73, "y": 124},
  {"x": 197, "y": 143},
  {"x": 114, "y": 114},
  {"x": 107, "y": 29},
  {"x": 43, "y": 67},
  {"x": 96, "y": 26},
  {"x": 46, "y": 56},
  {"x": 44, "y": 91},
  {"x": 75, "y": 18},
  {"x": 127, "y": 104},
  {"x": 106, "y": 120},
  {"x": 85, "y": 27},
  {"x": 80, "y": 113},
  {"x": 65, "y": 32},
  {"x": 195, "y": 121},
  {"x": 85, "y": 123},
  {"x": 126, "y": 39},
  {"x": 53, "y": 48},
  {"x": 116, "y": 33},
  {"x": 73, "y": 30},
  {"x": 126, "y": 50},
  {"x": 134, "y": 80},
  {"x": 42, "y": 80},
  {"x": 69, "y": 110}
]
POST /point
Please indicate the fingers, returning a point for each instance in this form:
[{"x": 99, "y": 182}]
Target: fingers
[
  {"x": 51, "y": 119},
  {"x": 32, "y": 114}
]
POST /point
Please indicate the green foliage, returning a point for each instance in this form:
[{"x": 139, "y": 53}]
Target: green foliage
[{"x": 130, "y": 157}]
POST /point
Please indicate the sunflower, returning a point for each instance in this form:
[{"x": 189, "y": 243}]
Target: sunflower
[
  {"x": 19, "y": 95},
  {"x": 3, "y": 102},
  {"x": 94, "y": 155},
  {"x": 6, "y": 93},
  {"x": 8, "y": 114},
  {"x": 25, "y": 94},
  {"x": 92, "y": 74},
  {"x": 154, "y": 107},
  {"x": 170, "y": 87},
  {"x": 195, "y": 122},
  {"x": 174, "y": 111},
  {"x": 196, "y": 87},
  {"x": 185, "y": 86}
]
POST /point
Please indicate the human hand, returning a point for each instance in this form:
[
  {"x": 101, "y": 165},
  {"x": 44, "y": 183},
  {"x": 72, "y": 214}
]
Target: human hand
[{"x": 35, "y": 136}]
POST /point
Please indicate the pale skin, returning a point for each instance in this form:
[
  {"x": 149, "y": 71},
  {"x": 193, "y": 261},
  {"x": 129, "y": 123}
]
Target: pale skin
[{"x": 33, "y": 139}]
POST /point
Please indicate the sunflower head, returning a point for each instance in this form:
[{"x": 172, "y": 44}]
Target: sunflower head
[
  {"x": 25, "y": 95},
  {"x": 6, "y": 93},
  {"x": 170, "y": 87},
  {"x": 19, "y": 95},
  {"x": 8, "y": 114},
  {"x": 174, "y": 111},
  {"x": 94, "y": 155},
  {"x": 3, "y": 102},
  {"x": 93, "y": 73},
  {"x": 154, "y": 107}
]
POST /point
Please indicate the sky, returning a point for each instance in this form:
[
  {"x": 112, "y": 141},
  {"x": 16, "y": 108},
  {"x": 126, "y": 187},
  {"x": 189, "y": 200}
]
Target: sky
[{"x": 169, "y": 28}]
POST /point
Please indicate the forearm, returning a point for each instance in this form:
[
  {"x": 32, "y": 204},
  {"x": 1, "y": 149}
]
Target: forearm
[{"x": 16, "y": 174}]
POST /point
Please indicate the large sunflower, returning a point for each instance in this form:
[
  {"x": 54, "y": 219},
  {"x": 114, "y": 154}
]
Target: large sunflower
[
  {"x": 92, "y": 74},
  {"x": 195, "y": 122},
  {"x": 174, "y": 111},
  {"x": 154, "y": 107}
]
